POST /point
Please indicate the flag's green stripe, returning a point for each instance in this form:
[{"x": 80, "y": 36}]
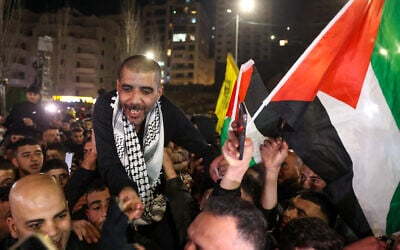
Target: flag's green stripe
[
  {"x": 224, "y": 136},
  {"x": 393, "y": 217},
  {"x": 385, "y": 59},
  {"x": 224, "y": 130}
]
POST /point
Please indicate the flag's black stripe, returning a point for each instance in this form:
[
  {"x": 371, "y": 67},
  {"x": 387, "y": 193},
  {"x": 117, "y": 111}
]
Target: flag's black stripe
[{"x": 308, "y": 130}]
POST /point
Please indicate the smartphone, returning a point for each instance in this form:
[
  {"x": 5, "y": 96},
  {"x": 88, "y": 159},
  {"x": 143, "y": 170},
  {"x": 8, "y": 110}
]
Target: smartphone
[
  {"x": 69, "y": 156},
  {"x": 241, "y": 129}
]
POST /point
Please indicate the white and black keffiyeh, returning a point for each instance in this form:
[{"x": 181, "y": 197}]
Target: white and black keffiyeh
[{"x": 143, "y": 165}]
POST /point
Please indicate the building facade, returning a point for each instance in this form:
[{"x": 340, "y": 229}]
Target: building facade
[
  {"x": 66, "y": 52},
  {"x": 179, "y": 33},
  {"x": 254, "y": 31}
]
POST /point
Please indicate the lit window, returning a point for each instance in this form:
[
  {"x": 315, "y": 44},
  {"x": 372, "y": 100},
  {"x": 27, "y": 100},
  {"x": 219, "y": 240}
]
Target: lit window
[
  {"x": 193, "y": 20},
  {"x": 283, "y": 42},
  {"x": 180, "y": 37},
  {"x": 192, "y": 38}
]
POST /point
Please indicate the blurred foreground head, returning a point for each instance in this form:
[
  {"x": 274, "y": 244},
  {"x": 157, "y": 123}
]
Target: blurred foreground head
[{"x": 38, "y": 205}]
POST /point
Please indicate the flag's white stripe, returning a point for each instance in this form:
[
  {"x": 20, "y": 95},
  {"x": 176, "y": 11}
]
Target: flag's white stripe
[
  {"x": 371, "y": 137},
  {"x": 255, "y": 135},
  {"x": 301, "y": 59},
  {"x": 243, "y": 68}
]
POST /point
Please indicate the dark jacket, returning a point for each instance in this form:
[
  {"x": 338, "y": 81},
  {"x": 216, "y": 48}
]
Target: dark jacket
[
  {"x": 177, "y": 128},
  {"x": 14, "y": 121}
]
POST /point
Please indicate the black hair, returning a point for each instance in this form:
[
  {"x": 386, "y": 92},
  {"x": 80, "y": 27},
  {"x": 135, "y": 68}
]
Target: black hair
[
  {"x": 140, "y": 63},
  {"x": 95, "y": 186},
  {"x": 6, "y": 164},
  {"x": 54, "y": 164},
  {"x": 251, "y": 224},
  {"x": 23, "y": 142},
  {"x": 56, "y": 146},
  {"x": 33, "y": 88},
  {"x": 4, "y": 193},
  {"x": 50, "y": 127},
  {"x": 253, "y": 184},
  {"x": 323, "y": 201},
  {"x": 309, "y": 233}
]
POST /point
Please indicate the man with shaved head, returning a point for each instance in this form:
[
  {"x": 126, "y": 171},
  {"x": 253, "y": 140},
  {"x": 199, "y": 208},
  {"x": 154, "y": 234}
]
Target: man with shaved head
[{"x": 38, "y": 205}]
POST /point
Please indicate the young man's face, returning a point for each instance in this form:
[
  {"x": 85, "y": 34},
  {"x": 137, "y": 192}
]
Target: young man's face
[
  {"x": 7, "y": 177},
  {"x": 87, "y": 148},
  {"x": 60, "y": 174},
  {"x": 77, "y": 137},
  {"x": 290, "y": 169},
  {"x": 52, "y": 136},
  {"x": 87, "y": 125},
  {"x": 97, "y": 203},
  {"x": 299, "y": 207},
  {"x": 65, "y": 126},
  {"x": 33, "y": 97},
  {"x": 138, "y": 92},
  {"x": 54, "y": 154},
  {"x": 41, "y": 213},
  {"x": 310, "y": 180},
  {"x": 4, "y": 214},
  {"x": 28, "y": 159},
  {"x": 208, "y": 231}
]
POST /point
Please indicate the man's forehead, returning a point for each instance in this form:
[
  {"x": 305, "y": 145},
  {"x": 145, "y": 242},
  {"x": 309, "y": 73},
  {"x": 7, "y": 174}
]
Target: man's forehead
[
  {"x": 38, "y": 211},
  {"x": 27, "y": 201},
  {"x": 52, "y": 151},
  {"x": 97, "y": 195},
  {"x": 57, "y": 171},
  {"x": 142, "y": 75},
  {"x": 29, "y": 148},
  {"x": 6, "y": 171},
  {"x": 306, "y": 205}
]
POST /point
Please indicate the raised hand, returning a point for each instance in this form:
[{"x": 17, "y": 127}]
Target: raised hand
[{"x": 130, "y": 203}]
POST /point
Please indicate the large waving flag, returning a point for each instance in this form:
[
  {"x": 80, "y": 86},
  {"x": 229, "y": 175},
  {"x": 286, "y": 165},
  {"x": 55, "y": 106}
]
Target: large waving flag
[
  {"x": 225, "y": 94},
  {"x": 338, "y": 107}
]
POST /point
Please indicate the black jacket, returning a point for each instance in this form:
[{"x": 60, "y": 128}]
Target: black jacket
[
  {"x": 177, "y": 128},
  {"x": 14, "y": 121}
]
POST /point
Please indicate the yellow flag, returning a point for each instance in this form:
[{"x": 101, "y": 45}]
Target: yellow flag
[{"x": 231, "y": 74}]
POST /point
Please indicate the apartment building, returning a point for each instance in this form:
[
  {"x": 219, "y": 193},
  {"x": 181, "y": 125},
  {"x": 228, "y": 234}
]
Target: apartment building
[
  {"x": 254, "y": 31},
  {"x": 67, "y": 52},
  {"x": 179, "y": 33}
]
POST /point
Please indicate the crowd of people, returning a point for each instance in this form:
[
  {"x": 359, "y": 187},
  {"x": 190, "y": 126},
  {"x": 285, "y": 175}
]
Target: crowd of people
[{"x": 138, "y": 174}]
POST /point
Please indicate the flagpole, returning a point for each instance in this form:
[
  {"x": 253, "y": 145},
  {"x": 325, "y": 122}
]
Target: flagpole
[{"x": 237, "y": 37}]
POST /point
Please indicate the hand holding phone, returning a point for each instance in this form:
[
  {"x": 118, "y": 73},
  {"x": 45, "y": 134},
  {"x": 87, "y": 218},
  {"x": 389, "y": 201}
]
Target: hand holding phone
[{"x": 241, "y": 129}]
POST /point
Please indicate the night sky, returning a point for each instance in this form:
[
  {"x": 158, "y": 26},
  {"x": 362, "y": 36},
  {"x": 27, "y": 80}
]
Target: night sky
[
  {"x": 89, "y": 7},
  {"x": 285, "y": 10}
]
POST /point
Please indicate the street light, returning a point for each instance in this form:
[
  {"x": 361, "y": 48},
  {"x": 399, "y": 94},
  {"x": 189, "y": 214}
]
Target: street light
[
  {"x": 245, "y": 6},
  {"x": 150, "y": 55}
]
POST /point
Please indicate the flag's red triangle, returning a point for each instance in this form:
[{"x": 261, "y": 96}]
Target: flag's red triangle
[{"x": 338, "y": 62}]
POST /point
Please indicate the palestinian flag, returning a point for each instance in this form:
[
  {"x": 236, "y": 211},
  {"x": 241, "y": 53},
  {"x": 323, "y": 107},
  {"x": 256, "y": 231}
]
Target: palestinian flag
[
  {"x": 249, "y": 89},
  {"x": 225, "y": 94},
  {"x": 338, "y": 107}
]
